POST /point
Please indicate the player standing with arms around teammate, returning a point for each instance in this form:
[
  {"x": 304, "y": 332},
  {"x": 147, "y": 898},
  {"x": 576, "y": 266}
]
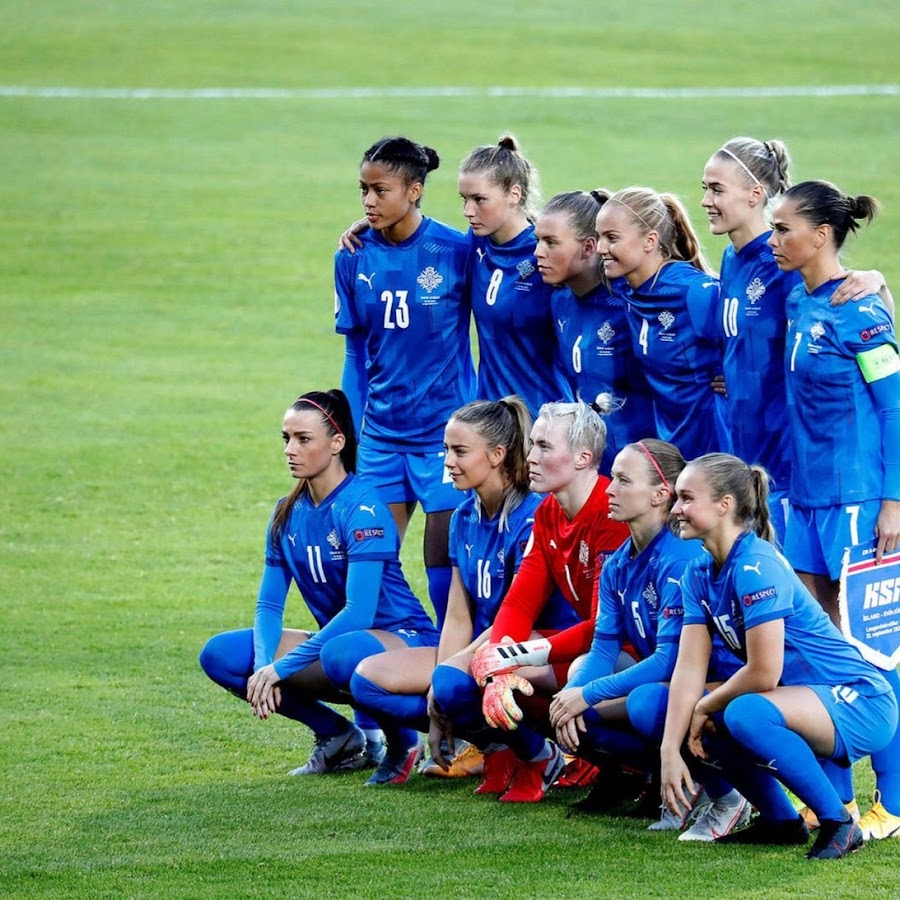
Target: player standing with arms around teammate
[
  {"x": 334, "y": 538},
  {"x": 591, "y": 324},
  {"x": 403, "y": 303},
  {"x": 843, "y": 382},
  {"x": 572, "y": 537},
  {"x": 652, "y": 255},
  {"x": 510, "y": 301},
  {"x": 803, "y": 693},
  {"x": 739, "y": 181},
  {"x": 499, "y": 188}
]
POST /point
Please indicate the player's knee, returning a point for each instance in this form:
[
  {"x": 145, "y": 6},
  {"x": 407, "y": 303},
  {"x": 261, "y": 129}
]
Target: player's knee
[
  {"x": 211, "y": 658},
  {"x": 750, "y": 716},
  {"x": 455, "y": 692},
  {"x": 646, "y": 706},
  {"x": 341, "y": 655}
]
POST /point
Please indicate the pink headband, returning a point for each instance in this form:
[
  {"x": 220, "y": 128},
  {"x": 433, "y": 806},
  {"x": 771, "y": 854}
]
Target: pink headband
[
  {"x": 324, "y": 412},
  {"x": 655, "y": 465}
]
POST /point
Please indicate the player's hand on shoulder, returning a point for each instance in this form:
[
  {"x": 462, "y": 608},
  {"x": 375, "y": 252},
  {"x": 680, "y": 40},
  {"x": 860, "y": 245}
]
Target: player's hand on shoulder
[{"x": 349, "y": 240}]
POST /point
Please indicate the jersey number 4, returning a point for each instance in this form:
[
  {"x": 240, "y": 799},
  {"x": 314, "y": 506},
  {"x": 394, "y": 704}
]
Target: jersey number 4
[{"x": 396, "y": 312}]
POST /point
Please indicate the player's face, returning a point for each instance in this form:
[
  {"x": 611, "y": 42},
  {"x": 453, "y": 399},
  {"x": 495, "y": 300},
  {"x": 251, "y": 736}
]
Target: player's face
[
  {"x": 728, "y": 201},
  {"x": 308, "y": 447},
  {"x": 622, "y": 245},
  {"x": 794, "y": 240},
  {"x": 551, "y": 463},
  {"x": 560, "y": 255},
  {"x": 387, "y": 198},
  {"x": 630, "y": 491},
  {"x": 488, "y": 207},
  {"x": 695, "y": 510},
  {"x": 466, "y": 457}
]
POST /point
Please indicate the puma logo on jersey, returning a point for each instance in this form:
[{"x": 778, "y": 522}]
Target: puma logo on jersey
[
  {"x": 367, "y": 279},
  {"x": 869, "y": 309},
  {"x": 710, "y": 284},
  {"x": 293, "y": 539},
  {"x": 671, "y": 580},
  {"x": 468, "y": 549},
  {"x": 553, "y": 544},
  {"x": 753, "y": 568},
  {"x": 368, "y": 509},
  {"x": 480, "y": 253},
  {"x": 621, "y": 596}
]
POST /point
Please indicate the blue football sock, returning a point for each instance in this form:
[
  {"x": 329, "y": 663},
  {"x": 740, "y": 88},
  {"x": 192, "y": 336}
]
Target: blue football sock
[
  {"x": 406, "y": 709},
  {"x": 759, "y": 725},
  {"x": 841, "y": 778},
  {"x": 459, "y": 698},
  {"x": 619, "y": 740},
  {"x": 321, "y": 719},
  {"x": 364, "y": 721},
  {"x": 439, "y": 590},
  {"x": 886, "y": 762}
]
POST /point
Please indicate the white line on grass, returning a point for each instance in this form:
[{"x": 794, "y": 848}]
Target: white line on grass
[{"x": 358, "y": 93}]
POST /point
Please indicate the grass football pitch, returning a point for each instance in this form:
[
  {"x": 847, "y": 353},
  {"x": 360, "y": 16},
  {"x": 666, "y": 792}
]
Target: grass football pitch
[{"x": 165, "y": 292}]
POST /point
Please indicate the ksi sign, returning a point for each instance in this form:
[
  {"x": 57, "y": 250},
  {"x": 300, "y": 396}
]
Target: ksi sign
[{"x": 869, "y": 604}]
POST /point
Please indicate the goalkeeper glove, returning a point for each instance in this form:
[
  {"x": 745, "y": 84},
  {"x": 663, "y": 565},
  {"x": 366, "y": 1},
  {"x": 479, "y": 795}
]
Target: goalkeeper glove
[
  {"x": 494, "y": 659},
  {"x": 498, "y": 703}
]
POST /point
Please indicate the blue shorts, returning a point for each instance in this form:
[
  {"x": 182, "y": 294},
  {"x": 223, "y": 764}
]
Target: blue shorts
[
  {"x": 402, "y": 477},
  {"x": 779, "y": 513},
  {"x": 865, "y": 722},
  {"x": 817, "y": 538}
]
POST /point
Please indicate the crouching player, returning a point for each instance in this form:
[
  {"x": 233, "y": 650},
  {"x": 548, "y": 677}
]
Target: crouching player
[
  {"x": 640, "y": 606},
  {"x": 337, "y": 542},
  {"x": 803, "y": 695},
  {"x": 485, "y": 445},
  {"x": 572, "y": 537}
]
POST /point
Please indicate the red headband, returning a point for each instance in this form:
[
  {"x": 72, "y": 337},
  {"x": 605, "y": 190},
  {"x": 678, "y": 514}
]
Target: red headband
[
  {"x": 655, "y": 465},
  {"x": 325, "y": 413}
]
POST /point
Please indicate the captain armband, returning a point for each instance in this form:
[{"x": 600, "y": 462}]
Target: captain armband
[{"x": 878, "y": 363}]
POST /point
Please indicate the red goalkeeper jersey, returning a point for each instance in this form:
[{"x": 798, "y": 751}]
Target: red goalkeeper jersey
[{"x": 566, "y": 555}]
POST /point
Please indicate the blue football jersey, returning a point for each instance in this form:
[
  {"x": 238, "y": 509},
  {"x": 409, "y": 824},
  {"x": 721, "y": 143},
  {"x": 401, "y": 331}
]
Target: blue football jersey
[
  {"x": 640, "y": 597},
  {"x": 488, "y": 557},
  {"x": 671, "y": 318},
  {"x": 757, "y": 585},
  {"x": 753, "y": 293},
  {"x": 319, "y": 542},
  {"x": 837, "y": 452},
  {"x": 511, "y": 305},
  {"x": 411, "y": 301},
  {"x": 596, "y": 356}
]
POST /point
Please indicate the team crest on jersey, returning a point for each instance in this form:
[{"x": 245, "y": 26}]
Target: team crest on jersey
[
  {"x": 334, "y": 539},
  {"x": 501, "y": 556},
  {"x": 606, "y": 332},
  {"x": 667, "y": 320},
  {"x": 525, "y": 268},
  {"x": 649, "y": 594},
  {"x": 755, "y": 290},
  {"x": 584, "y": 553},
  {"x": 430, "y": 279},
  {"x": 817, "y": 331}
]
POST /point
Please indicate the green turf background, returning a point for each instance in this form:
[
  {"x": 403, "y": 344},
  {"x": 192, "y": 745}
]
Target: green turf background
[{"x": 165, "y": 291}]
